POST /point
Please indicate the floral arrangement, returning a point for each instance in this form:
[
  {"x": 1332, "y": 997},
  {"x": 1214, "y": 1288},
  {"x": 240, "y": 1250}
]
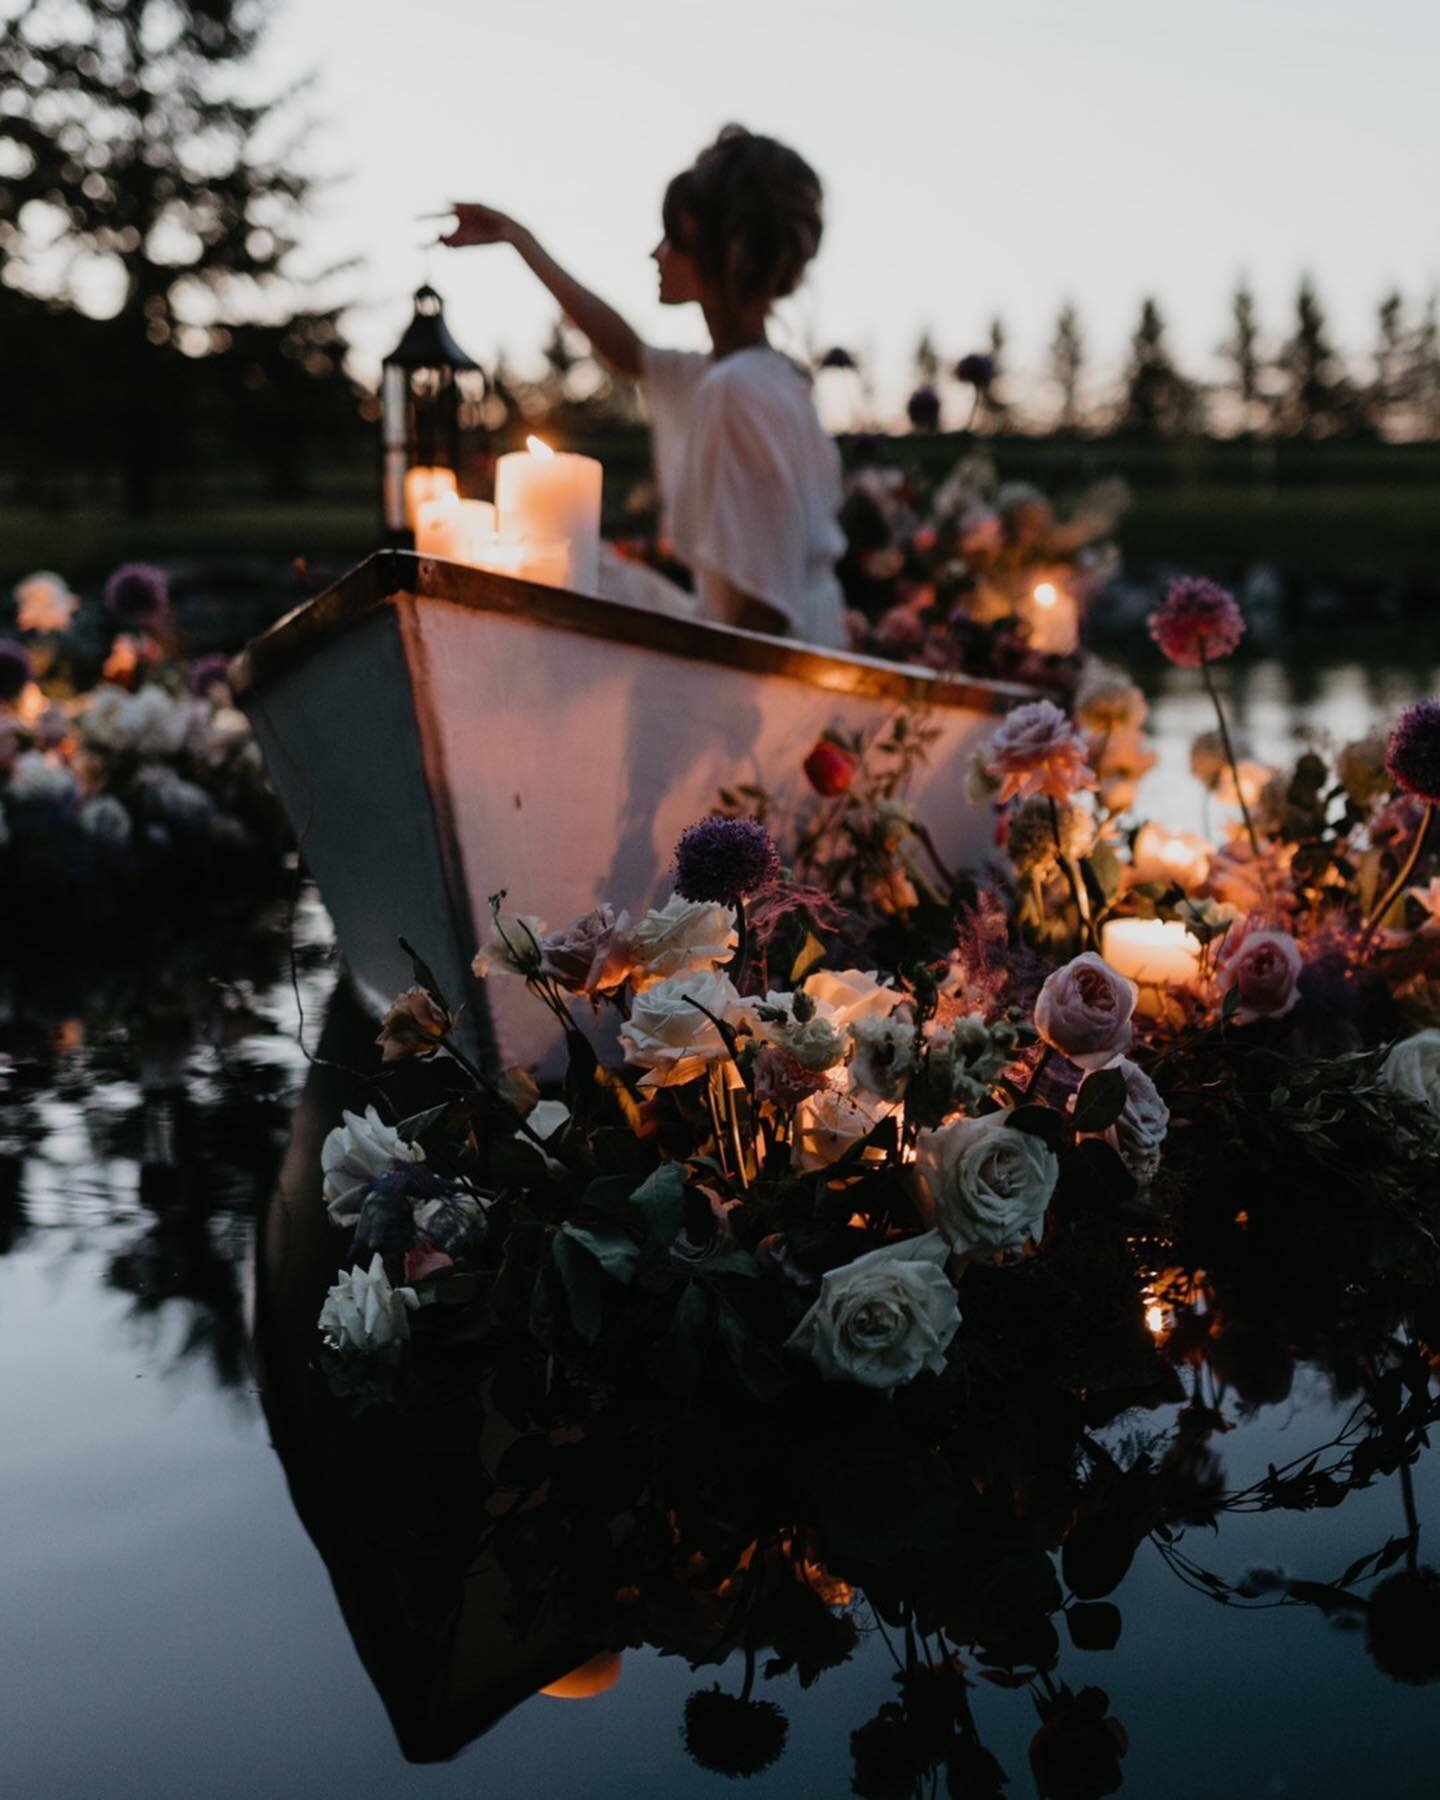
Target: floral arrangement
[
  {"x": 979, "y": 576},
  {"x": 809, "y": 1151},
  {"x": 132, "y": 796}
]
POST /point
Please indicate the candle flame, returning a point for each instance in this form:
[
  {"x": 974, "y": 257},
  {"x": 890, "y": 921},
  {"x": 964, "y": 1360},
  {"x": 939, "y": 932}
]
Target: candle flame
[
  {"x": 1046, "y": 594},
  {"x": 538, "y": 447},
  {"x": 1155, "y": 1319}
]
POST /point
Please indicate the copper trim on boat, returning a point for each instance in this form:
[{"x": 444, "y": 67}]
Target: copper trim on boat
[{"x": 391, "y": 575}]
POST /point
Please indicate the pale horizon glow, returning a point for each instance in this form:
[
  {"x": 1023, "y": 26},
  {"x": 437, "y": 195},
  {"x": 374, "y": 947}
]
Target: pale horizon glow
[{"x": 978, "y": 160}]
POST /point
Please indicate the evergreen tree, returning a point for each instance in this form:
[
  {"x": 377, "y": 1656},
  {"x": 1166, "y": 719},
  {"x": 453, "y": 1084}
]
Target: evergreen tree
[
  {"x": 1315, "y": 399},
  {"x": 1067, "y": 358},
  {"x": 121, "y": 118},
  {"x": 1158, "y": 401},
  {"x": 1241, "y": 351}
]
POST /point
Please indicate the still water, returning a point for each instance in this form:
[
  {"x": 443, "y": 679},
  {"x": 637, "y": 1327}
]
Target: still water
[{"x": 169, "y": 1626}]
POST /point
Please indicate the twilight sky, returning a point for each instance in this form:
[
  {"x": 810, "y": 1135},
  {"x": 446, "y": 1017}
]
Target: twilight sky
[{"x": 977, "y": 157}]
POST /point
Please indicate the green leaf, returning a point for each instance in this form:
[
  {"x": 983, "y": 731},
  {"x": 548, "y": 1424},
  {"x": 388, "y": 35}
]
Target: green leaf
[
  {"x": 616, "y": 1254},
  {"x": 584, "y": 1285},
  {"x": 418, "y": 1124},
  {"x": 1101, "y": 1100},
  {"x": 424, "y": 975},
  {"x": 731, "y": 1262},
  {"x": 660, "y": 1201},
  {"x": 755, "y": 1362},
  {"x": 680, "y": 1350}
]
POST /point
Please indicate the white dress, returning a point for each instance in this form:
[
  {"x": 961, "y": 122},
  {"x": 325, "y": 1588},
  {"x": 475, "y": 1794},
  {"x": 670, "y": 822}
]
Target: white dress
[{"x": 750, "y": 483}]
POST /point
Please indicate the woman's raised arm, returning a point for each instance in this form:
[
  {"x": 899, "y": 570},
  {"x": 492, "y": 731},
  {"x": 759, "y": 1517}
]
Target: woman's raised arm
[{"x": 613, "y": 339}]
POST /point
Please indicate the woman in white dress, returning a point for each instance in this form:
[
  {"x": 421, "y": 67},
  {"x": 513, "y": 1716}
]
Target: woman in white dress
[{"x": 748, "y": 478}]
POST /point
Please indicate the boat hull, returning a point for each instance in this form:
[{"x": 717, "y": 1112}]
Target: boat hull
[{"x": 438, "y": 734}]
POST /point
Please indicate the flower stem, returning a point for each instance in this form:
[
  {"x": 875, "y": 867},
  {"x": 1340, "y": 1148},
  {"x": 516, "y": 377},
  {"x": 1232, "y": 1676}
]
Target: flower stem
[
  {"x": 1211, "y": 690},
  {"x": 1074, "y": 877},
  {"x": 1406, "y": 871},
  {"x": 741, "y": 959}
]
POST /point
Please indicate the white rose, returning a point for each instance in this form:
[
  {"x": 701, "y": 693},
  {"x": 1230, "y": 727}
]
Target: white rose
[
  {"x": 1139, "y": 1133},
  {"x": 104, "y": 817},
  {"x": 846, "y": 995},
  {"x": 44, "y": 603},
  {"x": 833, "y": 1121},
  {"x": 514, "y": 949},
  {"x": 885, "y": 1054},
  {"x": 35, "y": 777},
  {"x": 1412, "y": 1069},
  {"x": 363, "y": 1312},
  {"x": 883, "y": 1318},
  {"x": 673, "y": 1038},
  {"x": 814, "y": 1043},
  {"x": 682, "y": 936},
  {"x": 355, "y": 1155},
  {"x": 990, "y": 1183}
]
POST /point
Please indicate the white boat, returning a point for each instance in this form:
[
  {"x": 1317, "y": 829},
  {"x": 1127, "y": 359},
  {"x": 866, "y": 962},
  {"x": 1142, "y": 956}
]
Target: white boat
[{"x": 438, "y": 733}]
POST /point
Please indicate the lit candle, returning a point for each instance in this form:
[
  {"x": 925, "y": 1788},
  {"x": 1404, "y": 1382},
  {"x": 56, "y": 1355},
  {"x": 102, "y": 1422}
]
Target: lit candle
[
  {"x": 532, "y": 559},
  {"x": 547, "y": 497},
  {"x": 1054, "y": 620},
  {"x": 458, "y": 530},
  {"x": 422, "y": 484},
  {"x": 1167, "y": 856},
  {"x": 1152, "y": 952}
]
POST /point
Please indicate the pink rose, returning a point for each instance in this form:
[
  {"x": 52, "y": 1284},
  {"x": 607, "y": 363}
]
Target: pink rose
[
  {"x": 1265, "y": 966},
  {"x": 1084, "y": 1011},
  {"x": 591, "y": 956},
  {"x": 1038, "y": 751}
]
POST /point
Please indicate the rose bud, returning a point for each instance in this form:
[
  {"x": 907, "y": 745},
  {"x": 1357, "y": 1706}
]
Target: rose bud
[
  {"x": 415, "y": 1025},
  {"x": 830, "y": 767}
]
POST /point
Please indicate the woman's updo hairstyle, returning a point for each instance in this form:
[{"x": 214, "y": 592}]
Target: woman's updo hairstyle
[{"x": 748, "y": 211}]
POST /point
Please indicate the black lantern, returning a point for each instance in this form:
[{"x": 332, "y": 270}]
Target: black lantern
[{"x": 431, "y": 399}]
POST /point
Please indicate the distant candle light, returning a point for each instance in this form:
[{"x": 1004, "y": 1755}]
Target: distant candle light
[{"x": 1046, "y": 594}]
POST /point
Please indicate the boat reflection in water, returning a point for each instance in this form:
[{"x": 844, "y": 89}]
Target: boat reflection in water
[{"x": 499, "y": 1526}]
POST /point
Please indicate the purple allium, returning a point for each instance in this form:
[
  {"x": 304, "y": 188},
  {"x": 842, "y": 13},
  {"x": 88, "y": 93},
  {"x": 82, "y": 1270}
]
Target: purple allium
[
  {"x": 1412, "y": 756},
  {"x": 722, "y": 860},
  {"x": 923, "y": 409},
  {"x": 207, "y": 672},
  {"x": 977, "y": 368},
  {"x": 138, "y": 594},
  {"x": 1197, "y": 622},
  {"x": 16, "y": 670}
]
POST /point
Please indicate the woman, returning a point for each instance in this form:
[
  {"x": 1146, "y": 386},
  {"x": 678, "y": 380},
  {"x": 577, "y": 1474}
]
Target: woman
[{"x": 749, "y": 479}]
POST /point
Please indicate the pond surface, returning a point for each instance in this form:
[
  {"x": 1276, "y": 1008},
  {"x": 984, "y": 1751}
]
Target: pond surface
[{"x": 169, "y": 1626}]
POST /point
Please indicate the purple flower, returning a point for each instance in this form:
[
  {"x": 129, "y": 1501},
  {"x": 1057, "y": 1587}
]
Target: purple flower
[
  {"x": 722, "y": 860},
  {"x": 16, "y": 670},
  {"x": 977, "y": 368},
  {"x": 138, "y": 594},
  {"x": 923, "y": 409},
  {"x": 207, "y": 672},
  {"x": 1412, "y": 756},
  {"x": 1197, "y": 622}
]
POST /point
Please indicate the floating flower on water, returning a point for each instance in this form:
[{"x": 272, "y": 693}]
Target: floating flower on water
[
  {"x": 360, "y": 1150},
  {"x": 415, "y": 1025},
  {"x": 681, "y": 936},
  {"x": 1412, "y": 1069},
  {"x": 43, "y": 602},
  {"x": 138, "y": 594},
  {"x": 1084, "y": 1011},
  {"x": 883, "y": 1318},
  {"x": 363, "y": 1312},
  {"x": 1197, "y": 622},
  {"x": 989, "y": 1183},
  {"x": 1413, "y": 754},
  {"x": 1038, "y": 751},
  {"x": 1265, "y": 966},
  {"x": 723, "y": 860},
  {"x": 830, "y": 767},
  {"x": 16, "y": 671}
]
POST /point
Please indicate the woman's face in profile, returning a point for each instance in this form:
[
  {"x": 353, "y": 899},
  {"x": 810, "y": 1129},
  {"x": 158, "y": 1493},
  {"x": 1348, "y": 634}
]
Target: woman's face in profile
[{"x": 679, "y": 278}]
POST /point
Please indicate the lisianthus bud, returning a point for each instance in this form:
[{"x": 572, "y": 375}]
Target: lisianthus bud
[{"x": 415, "y": 1025}]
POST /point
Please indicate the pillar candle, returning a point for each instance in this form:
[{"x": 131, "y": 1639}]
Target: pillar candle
[
  {"x": 547, "y": 497},
  {"x": 1152, "y": 952},
  {"x": 1166, "y": 856},
  {"x": 422, "y": 484}
]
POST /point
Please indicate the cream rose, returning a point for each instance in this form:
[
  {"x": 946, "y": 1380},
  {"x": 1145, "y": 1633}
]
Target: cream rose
[
  {"x": 845, "y": 995},
  {"x": 883, "y": 1318},
  {"x": 673, "y": 1038},
  {"x": 682, "y": 936},
  {"x": 989, "y": 1183},
  {"x": 830, "y": 1123},
  {"x": 355, "y": 1155},
  {"x": 363, "y": 1312},
  {"x": 1084, "y": 1011},
  {"x": 1412, "y": 1069},
  {"x": 1265, "y": 967}
]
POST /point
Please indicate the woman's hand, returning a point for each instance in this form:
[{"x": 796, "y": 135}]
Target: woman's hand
[{"x": 477, "y": 224}]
